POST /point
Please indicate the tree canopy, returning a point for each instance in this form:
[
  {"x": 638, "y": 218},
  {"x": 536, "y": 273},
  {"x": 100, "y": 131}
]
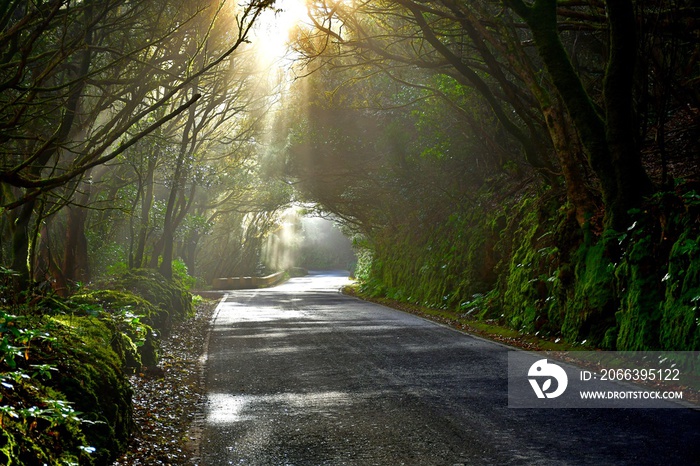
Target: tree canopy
[{"x": 113, "y": 107}]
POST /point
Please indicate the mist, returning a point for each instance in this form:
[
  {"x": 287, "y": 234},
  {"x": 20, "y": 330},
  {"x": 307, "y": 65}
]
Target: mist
[{"x": 312, "y": 243}]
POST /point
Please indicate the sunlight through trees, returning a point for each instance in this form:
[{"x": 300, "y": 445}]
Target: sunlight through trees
[{"x": 140, "y": 133}]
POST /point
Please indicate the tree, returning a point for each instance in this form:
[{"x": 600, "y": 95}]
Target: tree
[
  {"x": 611, "y": 139},
  {"x": 568, "y": 122},
  {"x": 450, "y": 39},
  {"x": 76, "y": 79},
  {"x": 378, "y": 152}
]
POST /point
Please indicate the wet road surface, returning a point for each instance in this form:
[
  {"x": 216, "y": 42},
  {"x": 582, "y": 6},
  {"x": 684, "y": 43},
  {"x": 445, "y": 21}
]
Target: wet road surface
[{"x": 302, "y": 375}]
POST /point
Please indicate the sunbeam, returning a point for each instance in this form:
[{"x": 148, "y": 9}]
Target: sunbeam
[{"x": 276, "y": 27}]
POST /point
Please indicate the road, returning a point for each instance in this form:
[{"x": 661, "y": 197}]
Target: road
[{"x": 300, "y": 374}]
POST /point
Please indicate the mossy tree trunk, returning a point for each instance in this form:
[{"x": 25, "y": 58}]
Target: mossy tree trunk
[
  {"x": 610, "y": 139},
  {"x": 20, "y": 246}
]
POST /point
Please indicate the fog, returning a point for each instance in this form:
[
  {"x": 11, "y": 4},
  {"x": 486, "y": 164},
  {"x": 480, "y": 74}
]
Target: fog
[{"x": 313, "y": 243}]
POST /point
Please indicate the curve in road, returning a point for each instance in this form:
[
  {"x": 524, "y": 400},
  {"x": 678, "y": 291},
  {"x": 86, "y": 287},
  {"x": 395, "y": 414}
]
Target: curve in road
[{"x": 300, "y": 374}]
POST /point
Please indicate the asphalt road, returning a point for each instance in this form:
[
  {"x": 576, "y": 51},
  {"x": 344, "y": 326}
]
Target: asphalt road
[{"x": 302, "y": 375}]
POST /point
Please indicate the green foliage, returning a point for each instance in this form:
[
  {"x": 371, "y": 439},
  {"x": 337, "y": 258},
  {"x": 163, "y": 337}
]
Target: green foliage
[
  {"x": 98, "y": 389},
  {"x": 48, "y": 432},
  {"x": 589, "y": 303},
  {"x": 529, "y": 274},
  {"x": 197, "y": 300},
  {"x": 194, "y": 224},
  {"x": 480, "y": 305},
  {"x": 632, "y": 290},
  {"x": 442, "y": 265},
  {"x": 641, "y": 295},
  {"x": 63, "y": 397},
  {"x": 135, "y": 341},
  {"x": 107, "y": 256},
  {"x": 181, "y": 276},
  {"x": 363, "y": 266},
  {"x": 117, "y": 268},
  {"x": 172, "y": 301},
  {"x": 680, "y": 314}
]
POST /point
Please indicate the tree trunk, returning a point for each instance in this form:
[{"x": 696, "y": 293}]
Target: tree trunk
[
  {"x": 632, "y": 181},
  {"x": 20, "y": 247},
  {"x": 169, "y": 224},
  {"x": 21, "y": 236},
  {"x": 155, "y": 254},
  {"x": 578, "y": 194},
  {"x": 45, "y": 266},
  {"x": 189, "y": 135},
  {"x": 189, "y": 249},
  {"x": 562, "y": 139},
  {"x": 609, "y": 142},
  {"x": 146, "y": 204},
  {"x": 76, "y": 267}
]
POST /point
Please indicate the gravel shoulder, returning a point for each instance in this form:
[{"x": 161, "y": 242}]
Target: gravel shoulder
[{"x": 169, "y": 399}]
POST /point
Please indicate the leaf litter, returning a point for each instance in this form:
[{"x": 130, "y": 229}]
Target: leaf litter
[{"x": 169, "y": 399}]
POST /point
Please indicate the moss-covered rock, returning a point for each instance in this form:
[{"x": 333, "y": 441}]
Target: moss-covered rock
[
  {"x": 169, "y": 299},
  {"x": 135, "y": 342},
  {"x": 66, "y": 399},
  {"x": 173, "y": 301},
  {"x": 90, "y": 376},
  {"x": 64, "y": 393},
  {"x": 39, "y": 426}
]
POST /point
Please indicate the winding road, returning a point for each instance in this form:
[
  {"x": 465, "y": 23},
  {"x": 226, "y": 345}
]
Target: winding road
[{"x": 300, "y": 374}]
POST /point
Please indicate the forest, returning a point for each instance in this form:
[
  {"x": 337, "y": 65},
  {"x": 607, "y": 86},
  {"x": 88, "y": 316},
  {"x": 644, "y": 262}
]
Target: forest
[{"x": 530, "y": 163}]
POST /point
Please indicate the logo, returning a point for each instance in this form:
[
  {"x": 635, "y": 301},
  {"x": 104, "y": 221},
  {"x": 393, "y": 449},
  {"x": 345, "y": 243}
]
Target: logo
[{"x": 547, "y": 371}]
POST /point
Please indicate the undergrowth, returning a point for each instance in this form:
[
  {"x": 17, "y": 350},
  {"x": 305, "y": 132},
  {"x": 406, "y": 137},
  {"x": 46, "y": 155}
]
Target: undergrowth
[
  {"x": 529, "y": 266},
  {"x": 64, "y": 394}
]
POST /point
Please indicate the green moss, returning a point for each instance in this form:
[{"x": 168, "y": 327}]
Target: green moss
[
  {"x": 529, "y": 274},
  {"x": 169, "y": 297},
  {"x": 90, "y": 376},
  {"x": 441, "y": 264},
  {"x": 66, "y": 400},
  {"x": 658, "y": 277},
  {"x": 40, "y": 427},
  {"x": 589, "y": 306},
  {"x": 135, "y": 341},
  {"x": 632, "y": 290},
  {"x": 69, "y": 401},
  {"x": 680, "y": 314},
  {"x": 639, "y": 314}
]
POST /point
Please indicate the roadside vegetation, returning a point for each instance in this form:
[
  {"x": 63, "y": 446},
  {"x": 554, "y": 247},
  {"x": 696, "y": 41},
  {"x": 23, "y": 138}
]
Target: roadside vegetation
[{"x": 65, "y": 362}]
